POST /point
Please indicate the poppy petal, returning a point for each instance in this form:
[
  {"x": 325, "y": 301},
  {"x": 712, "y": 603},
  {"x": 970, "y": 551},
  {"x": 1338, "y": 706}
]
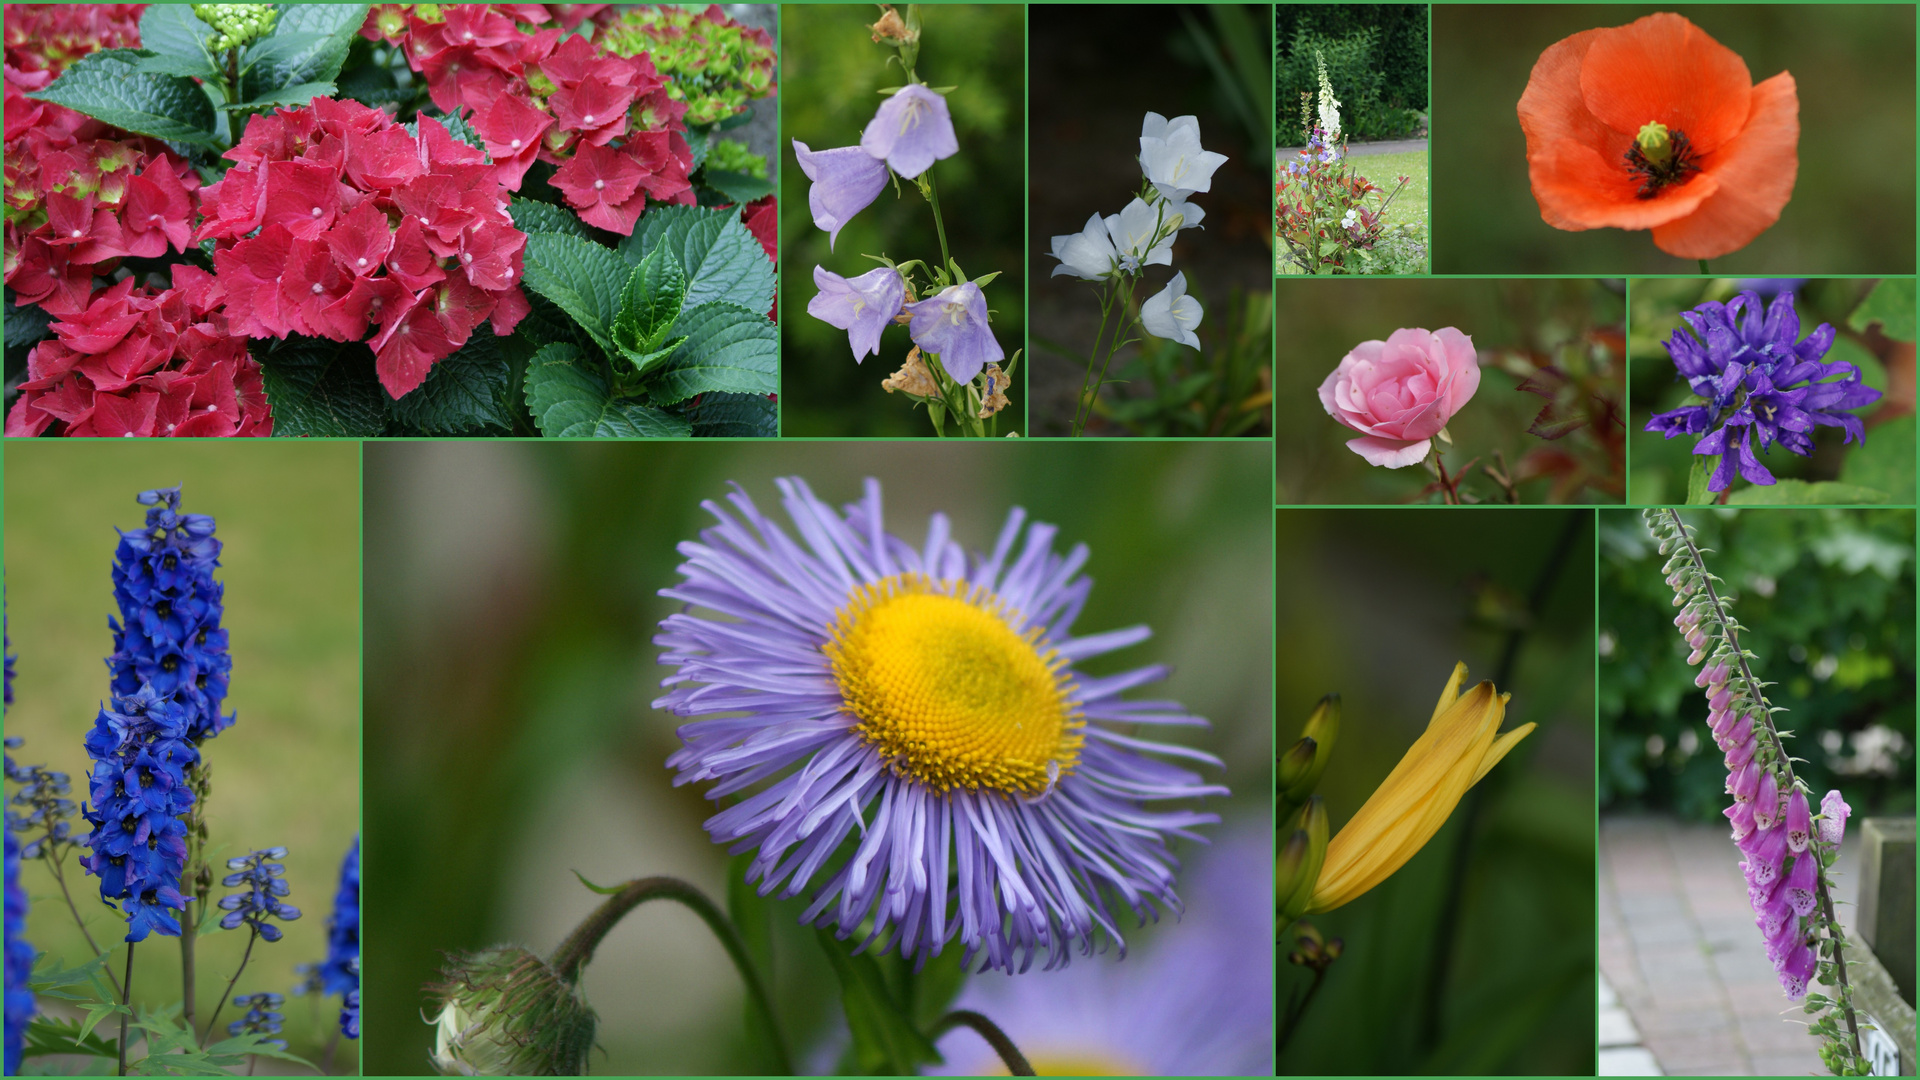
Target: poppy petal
[
  {"x": 1579, "y": 188},
  {"x": 1756, "y": 172},
  {"x": 1663, "y": 69}
]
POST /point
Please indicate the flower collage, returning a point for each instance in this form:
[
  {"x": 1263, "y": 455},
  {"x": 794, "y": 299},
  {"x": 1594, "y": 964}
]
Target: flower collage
[{"x": 960, "y": 539}]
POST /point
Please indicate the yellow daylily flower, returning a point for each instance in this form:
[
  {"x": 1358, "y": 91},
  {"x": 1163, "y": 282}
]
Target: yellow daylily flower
[{"x": 1461, "y": 743}]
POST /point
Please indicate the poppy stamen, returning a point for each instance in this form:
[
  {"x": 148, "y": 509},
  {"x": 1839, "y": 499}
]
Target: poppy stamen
[{"x": 1660, "y": 157}]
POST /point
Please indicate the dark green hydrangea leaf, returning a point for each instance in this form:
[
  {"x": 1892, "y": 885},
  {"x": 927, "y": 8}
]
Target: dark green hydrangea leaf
[
  {"x": 109, "y": 86},
  {"x": 580, "y": 276},
  {"x": 727, "y": 350},
  {"x": 322, "y": 388},
  {"x": 465, "y": 394},
  {"x": 570, "y": 398},
  {"x": 737, "y": 416}
]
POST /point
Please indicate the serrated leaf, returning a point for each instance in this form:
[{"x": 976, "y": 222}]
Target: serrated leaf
[
  {"x": 1891, "y": 305},
  {"x": 728, "y": 350},
  {"x": 464, "y": 394},
  {"x": 735, "y": 416},
  {"x": 1802, "y": 493},
  {"x": 582, "y": 277},
  {"x": 298, "y": 94},
  {"x": 532, "y": 216},
  {"x": 648, "y": 307},
  {"x": 162, "y": 64},
  {"x": 109, "y": 86},
  {"x": 322, "y": 389},
  {"x": 570, "y": 398},
  {"x": 722, "y": 260},
  {"x": 738, "y": 186},
  {"x": 173, "y": 30},
  {"x": 49, "y": 1036},
  {"x": 271, "y": 67}
]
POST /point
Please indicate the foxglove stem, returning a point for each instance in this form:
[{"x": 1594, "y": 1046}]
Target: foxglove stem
[
  {"x": 1010, "y": 1055},
  {"x": 574, "y": 953},
  {"x": 1732, "y": 638}
]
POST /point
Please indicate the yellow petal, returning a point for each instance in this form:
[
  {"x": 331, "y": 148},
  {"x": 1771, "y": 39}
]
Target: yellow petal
[{"x": 1451, "y": 692}]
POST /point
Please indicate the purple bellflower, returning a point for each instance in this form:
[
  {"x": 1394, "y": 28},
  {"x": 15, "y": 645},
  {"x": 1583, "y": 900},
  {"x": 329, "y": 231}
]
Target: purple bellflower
[
  {"x": 846, "y": 180},
  {"x": 953, "y": 324},
  {"x": 911, "y": 131},
  {"x": 862, "y": 306},
  {"x": 1760, "y": 384}
]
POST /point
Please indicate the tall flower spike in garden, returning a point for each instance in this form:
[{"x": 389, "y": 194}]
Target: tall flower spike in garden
[
  {"x": 954, "y": 368},
  {"x": 1789, "y": 851}
]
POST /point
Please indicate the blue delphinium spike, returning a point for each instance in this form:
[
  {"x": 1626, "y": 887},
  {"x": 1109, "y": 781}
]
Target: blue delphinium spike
[
  {"x": 340, "y": 973},
  {"x": 138, "y": 789},
  {"x": 350, "y": 1006},
  {"x": 263, "y": 1018},
  {"x": 263, "y": 882},
  {"x": 20, "y": 955},
  {"x": 168, "y": 635}
]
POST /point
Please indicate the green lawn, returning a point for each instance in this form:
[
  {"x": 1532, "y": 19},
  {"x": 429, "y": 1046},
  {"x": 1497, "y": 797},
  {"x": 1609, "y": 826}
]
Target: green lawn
[{"x": 1409, "y": 207}]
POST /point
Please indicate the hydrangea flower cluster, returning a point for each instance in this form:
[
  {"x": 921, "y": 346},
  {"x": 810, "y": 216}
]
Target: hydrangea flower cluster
[
  {"x": 712, "y": 63},
  {"x": 144, "y": 362},
  {"x": 263, "y": 1017},
  {"x": 263, "y": 883},
  {"x": 308, "y": 242},
  {"x": 1787, "y": 848},
  {"x": 48, "y": 37},
  {"x": 141, "y": 752},
  {"x": 169, "y": 639},
  {"x": 607, "y": 121},
  {"x": 1760, "y": 382}
]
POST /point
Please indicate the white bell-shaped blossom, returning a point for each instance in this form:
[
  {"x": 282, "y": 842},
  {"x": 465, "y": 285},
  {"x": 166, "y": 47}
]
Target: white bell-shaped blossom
[
  {"x": 1087, "y": 254},
  {"x": 1171, "y": 157},
  {"x": 1172, "y": 314},
  {"x": 1142, "y": 235}
]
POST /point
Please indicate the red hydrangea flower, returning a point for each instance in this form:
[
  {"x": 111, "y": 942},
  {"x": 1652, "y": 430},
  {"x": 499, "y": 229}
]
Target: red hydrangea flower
[
  {"x": 601, "y": 184},
  {"x": 48, "y": 37}
]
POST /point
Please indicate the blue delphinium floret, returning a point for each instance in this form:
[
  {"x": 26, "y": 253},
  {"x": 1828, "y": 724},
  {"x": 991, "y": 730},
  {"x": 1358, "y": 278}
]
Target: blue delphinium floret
[
  {"x": 350, "y": 1006},
  {"x": 263, "y": 1018},
  {"x": 1758, "y": 381},
  {"x": 19, "y": 954},
  {"x": 263, "y": 882},
  {"x": 138, "y": 791},
  {"x": 39, "y": 806},
  {"x": 340, "y": 973},
  {"x": 169, "y": 634}
]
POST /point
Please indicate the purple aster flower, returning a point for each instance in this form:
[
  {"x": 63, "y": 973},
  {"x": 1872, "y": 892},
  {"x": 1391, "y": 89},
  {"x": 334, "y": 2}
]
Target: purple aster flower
[
  {"x": 19, "y": 955},
  {"x": 862, "y": 306},
  {"x": 922, "y": 707},
  {"x": 845, "y": 181},
  {"x": 911, "y": 131},
  {"x": 953, "y": 324},
  {"x": 262, "y": 882},
  {"x": 1748, "y": 364}
]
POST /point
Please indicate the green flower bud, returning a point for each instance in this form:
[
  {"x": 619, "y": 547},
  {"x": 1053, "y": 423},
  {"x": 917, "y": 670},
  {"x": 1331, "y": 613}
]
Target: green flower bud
[
  {"x": 1294, "y": 763},
  {"x": 1323, "y": 727},
  {"x": 1314, "y": 828},
  {"x": 506, "y": 1012},
  {"x": 1655, "y": 144}
]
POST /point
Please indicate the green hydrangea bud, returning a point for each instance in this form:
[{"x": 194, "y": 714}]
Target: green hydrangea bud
[
  {"x": 715, "y": 67},
  {"x": 506, "y": 1012},
  {"x": 732, "y": 156},
  {"x": 236, "y": 25}
]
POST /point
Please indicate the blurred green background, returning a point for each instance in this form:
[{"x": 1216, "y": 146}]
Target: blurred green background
[
  {"x": 1853, "y": 202},
  {"x": 1378, "y": 605},
  {"x": 1881, "y": 349},
  {"x": 287, "y": 772},
  {"x": 1575, "y": 327},
  {"x": 831, "y": 70},
  {"x": 1825, "y": 597},
  {"x": 512, "y": 594},
  {"x": 1376, "y": 57}
]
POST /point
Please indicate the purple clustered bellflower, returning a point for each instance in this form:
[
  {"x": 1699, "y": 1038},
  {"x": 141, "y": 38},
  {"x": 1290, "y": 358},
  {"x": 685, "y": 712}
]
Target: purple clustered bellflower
[
  {"x": 923, "y": 704},
  {"x": 1784, "y": 847},
  {"x": 1761, "y": 385}
]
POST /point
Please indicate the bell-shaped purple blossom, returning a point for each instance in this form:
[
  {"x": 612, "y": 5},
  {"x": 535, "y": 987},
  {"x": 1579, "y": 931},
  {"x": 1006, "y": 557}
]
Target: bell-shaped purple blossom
[
  {"x": 1739, "y": 753},
  {"x": 862, "y": 306},
  {"x": 1803, "y": 879},
  {"x": 1799, "y": 822},
  {"x": 953, "y": 324},
  {"x": 1740, "y": 816},
  {"x": 1766, "y": 801},
  {"x": 846, "y": 180},
  {"x": 1766, "y": 850},
  {"x": 263, "y": 883},
  {"x": 1775, "y": 918},
  {"x": 1715, "y": 673},
  {"x": 1742, "y": 785},
  {"x": 1796, "y": 971},
  {"x": 911, "y": 131},
  {"x": 1833, "y": 818}
]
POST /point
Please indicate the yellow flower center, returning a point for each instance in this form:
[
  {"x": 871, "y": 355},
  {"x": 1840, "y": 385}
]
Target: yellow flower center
[{"x": 948, "y": 692}]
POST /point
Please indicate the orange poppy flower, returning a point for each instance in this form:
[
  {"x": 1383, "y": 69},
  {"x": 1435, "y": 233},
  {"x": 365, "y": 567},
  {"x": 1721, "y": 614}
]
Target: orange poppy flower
[{"x": 1655, "y": 125}]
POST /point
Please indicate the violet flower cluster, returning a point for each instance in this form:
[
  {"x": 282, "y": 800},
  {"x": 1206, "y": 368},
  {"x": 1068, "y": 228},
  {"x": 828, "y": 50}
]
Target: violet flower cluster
[
  {"x": 19, "y": 954},
  {"x": 169, "y": 636},
  {"x": 1786, "y": 847},
  {"x": 1759, "y": 383},
  {"x": 139, "y": 791},
  {"x": 262, "y": 883},
  {"x": 263, "y": 1018}
]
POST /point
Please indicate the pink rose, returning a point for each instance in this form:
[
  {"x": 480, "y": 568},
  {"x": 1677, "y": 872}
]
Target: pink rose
[{"x": 1400, "y": 392}]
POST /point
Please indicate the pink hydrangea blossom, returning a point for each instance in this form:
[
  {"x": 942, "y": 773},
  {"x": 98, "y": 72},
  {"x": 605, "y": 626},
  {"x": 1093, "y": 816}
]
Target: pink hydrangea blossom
[{"x": 1401, "y": 392}]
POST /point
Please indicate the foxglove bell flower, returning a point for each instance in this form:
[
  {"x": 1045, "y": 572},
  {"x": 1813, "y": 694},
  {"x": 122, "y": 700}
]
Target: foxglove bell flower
[
  {"x": 911, "y": 131},
  {"x": 263, "y": 883},
  {"x": 862, "y": 306},
  {"x": 169, "y": 636},
  {"x": 1172, "y": 314},
  {"x": 922, "y": 704},
  {"x": 1833, "y": 818},
  {"x": 846, "y": 180},
  {"x": 1088, "y": 254},
  {"x": 1745, "y": 360},
  {"x": 1171, "y": 157},
  {"x": 953, "y": 323}
]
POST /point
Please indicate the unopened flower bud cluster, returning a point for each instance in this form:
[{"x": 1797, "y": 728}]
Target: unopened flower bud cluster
[{"x": 236, "y": 25}]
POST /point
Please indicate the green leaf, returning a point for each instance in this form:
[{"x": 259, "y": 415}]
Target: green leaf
[
  {"x": 298, "y": 94},
  {"x": 270, "y": 67},
  {"x": 728, "y": 349},
  {"x": 109, "y": 86},
  {"x": 174, "y": 32},
  {"x": 322, "y": 389},
  {"x": 162, "y": 64},
  {"x": 49, "y": 1036},
  {"x": 648, "y": 307},
  {"x": 1891, "y": 305},
  {"x": 532, "y": 216},
  {"x": 25, "y": 323},
  {"x": 1698, "y": 477},
  {"x": 738, "y": 186},
  {"x": 465, "y": 394},
  {"x": 570, "y": 398},
  {"x": 885, "y": 1042},
  {"x": 1884, "y": 461},
  {"x": 722, "y": 260},
  {"x": 52, "y": 978},
  {"x": 735, "y": 416},
  {"x": 579, "y": 275},
  {"x": 1802, "y": 493}
]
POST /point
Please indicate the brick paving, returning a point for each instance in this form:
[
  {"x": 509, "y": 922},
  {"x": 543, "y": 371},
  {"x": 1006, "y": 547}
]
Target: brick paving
[{"x": 1678, "y": 945}]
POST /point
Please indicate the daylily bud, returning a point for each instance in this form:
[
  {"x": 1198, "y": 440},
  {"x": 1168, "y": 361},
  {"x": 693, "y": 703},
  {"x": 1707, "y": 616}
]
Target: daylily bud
[
  {"x": 1323, "y": 727},
  {"x": 1314, "y": 827},
  {"x": 1294, "y": 764},
  {"x": 506, "y": 1012}
]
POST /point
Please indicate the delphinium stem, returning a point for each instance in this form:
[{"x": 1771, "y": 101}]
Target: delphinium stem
[
  {"x": 1010, "y": 1055},
  {"x": 126, "y": 995},
  {"x": 1765, "y": 714},
  {"x": 251, "y": 938},
  {"x": 54, "y": 861}
]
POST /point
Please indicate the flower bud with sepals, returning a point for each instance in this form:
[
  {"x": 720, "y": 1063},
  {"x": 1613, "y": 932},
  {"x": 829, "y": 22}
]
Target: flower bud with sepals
[{"x": 506, "y": 1012}]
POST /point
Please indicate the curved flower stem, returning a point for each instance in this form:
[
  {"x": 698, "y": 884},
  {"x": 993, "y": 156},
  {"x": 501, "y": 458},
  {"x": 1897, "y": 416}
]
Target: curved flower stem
[
  {"x": 244, "y": 957},
  {"x": 1080, "y": 403},
  {"x": 574, "y": 953},
  {"x": 1703, "y": 267},
  {"x": 1291, "y": 1023},
  {"x": 1780, "y": 754},
  {"x": 939, "y": 226},
  {"x": 1010, "y": 1055},
  {"x": 126, "y": 995}
]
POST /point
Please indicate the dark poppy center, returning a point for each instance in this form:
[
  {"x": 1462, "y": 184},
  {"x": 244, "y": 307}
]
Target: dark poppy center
[{"x": 1679, "y": 162}]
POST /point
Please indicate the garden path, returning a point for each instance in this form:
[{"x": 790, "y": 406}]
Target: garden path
[
  {"x": 1367, "y": 149},
  {"x": 1678, "y": 944}
]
